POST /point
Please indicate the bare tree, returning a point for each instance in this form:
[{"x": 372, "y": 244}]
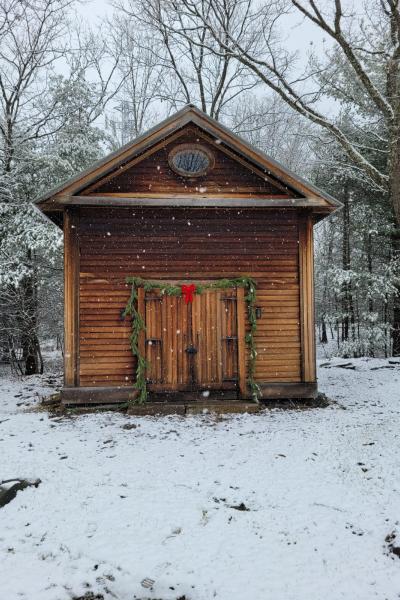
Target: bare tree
[
  {"x": 271, "y": 125},
  {"x": 92, "y": 56},
  {"x": 141, "y": 79},
  {"x": 33, "y": 37},
  {"x": 367, "y": 44},
  {"x": 30, "y": 42},
  {"x": 192, "y": 71}
]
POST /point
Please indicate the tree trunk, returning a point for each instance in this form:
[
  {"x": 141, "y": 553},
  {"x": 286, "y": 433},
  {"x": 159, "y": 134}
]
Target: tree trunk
[
  {"x": 394, "y": 195},
  {"x": 396, "y": 299},
  {"x": 31, "y": 353},
  {"x": 326, "y": 290},
  {"x": 368, "y": 243},
  {"x": 369, "y": 324},
  {"x": 324, "y": 337},
  {"x": 347, "y": 301},
  {"x": 385, "y": 320},
  {"x": 393, "y": 94}
]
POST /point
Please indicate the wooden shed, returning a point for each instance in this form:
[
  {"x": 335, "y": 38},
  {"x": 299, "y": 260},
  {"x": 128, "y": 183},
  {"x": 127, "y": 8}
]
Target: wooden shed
[{"x": 188, "y": 258}]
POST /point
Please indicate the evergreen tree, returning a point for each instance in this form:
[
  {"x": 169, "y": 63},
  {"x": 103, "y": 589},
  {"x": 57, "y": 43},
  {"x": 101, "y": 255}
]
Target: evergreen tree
[{"x": 30, "y": 247}]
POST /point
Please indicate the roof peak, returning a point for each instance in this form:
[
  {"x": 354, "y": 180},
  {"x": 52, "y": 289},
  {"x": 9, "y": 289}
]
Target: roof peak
[{"x": 188, "y": 114}]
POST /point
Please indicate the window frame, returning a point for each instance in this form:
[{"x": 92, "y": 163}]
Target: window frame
[{"x": 192, "y": 147}]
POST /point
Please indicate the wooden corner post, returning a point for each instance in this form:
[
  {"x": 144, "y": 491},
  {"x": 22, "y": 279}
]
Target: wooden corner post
[
  {"x": 307, "y": 317},
  {"x": 241, "y": 334},
  {"x": 71, "y": 297},
  {"x": 141, "y": 307}
]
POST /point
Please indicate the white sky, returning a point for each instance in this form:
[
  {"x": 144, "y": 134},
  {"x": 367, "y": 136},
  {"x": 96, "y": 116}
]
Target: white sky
[
  {"x": 94, "y": 9},
  {"x": 300, "y": 33}
]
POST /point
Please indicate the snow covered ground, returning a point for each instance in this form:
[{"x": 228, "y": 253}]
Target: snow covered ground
[{"x": 126, "y": 498}]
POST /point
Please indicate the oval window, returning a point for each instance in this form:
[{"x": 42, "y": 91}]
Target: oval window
[{"x": 190, "y": 161}]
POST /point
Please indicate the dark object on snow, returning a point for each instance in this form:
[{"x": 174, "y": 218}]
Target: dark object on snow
[
  {"x": 52, "y": 400},
  {"x": 390, "y": 539},
  {"x": 241, "y": 507},
  {"x": 8, "y": 492},
  {"x": 89, "y": 596},
  {"x": 321, "y": 401},
  {"x": 347, "y": 366}
]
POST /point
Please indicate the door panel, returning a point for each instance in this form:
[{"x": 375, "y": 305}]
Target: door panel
[
  {"x": 229, "y": 336},
  {"x": 206, "y": 316},
  {"x": 167, "y": 335},
  {"x": 154, "y": 338},
  {"x": 207, "y": 327}
]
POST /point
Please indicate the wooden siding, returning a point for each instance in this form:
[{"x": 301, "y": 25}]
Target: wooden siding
[
  {"x": 306, "y": 269},
  {"x": 71, "y": 297},
  {"x": 151, "y": 174},
  {"x": 187, "y": 245}
]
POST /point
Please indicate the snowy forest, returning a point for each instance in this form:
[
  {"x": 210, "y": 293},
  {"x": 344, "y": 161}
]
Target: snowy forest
[{"x": 72, "y": 89}]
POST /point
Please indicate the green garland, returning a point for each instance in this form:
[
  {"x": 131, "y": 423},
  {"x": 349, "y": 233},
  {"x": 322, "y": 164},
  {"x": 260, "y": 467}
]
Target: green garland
[{"x": 139, "y": 326}]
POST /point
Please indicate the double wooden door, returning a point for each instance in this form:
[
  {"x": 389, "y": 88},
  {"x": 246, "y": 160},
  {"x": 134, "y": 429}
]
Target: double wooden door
[{"x": 195, "y": 346}]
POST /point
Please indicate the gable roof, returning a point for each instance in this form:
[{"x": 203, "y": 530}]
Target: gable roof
[{"x": 303, "y": 193}]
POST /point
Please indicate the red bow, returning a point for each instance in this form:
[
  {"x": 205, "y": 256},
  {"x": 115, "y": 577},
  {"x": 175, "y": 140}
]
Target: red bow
[{"x": 187, "y": 292}]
